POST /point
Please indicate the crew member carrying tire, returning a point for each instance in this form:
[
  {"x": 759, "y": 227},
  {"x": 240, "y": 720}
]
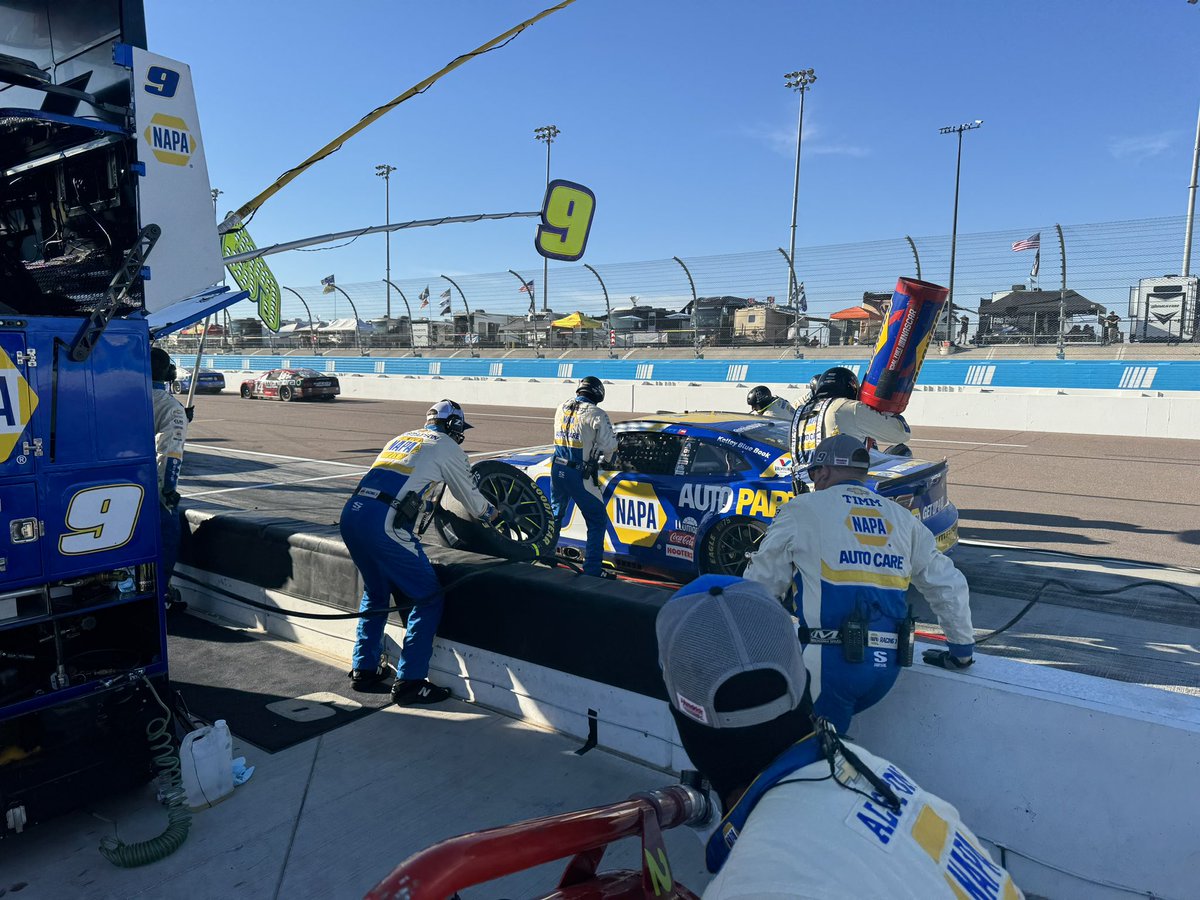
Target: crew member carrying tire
[
  {"x": 378, "y": 523},
  {"x": 841, "y": 560},
  {"x": 832, "y": 407},
  {"x": 763, "y": 403},
  {"x": 583, "y": 435}
]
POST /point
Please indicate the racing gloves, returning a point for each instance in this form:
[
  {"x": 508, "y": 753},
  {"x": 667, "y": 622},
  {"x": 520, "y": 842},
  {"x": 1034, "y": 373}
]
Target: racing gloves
[{"x": 944, "y": 659}]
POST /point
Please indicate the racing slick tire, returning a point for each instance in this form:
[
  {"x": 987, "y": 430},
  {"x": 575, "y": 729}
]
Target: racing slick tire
[
  {"x": 527, "y": 529},
  {"x": 727, "y": 544},
  {"x": 247, "y": 394},
  {"x": 285, "y": 393}
]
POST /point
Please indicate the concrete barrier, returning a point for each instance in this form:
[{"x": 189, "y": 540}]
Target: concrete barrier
[{"x": 1088, "y": 785}]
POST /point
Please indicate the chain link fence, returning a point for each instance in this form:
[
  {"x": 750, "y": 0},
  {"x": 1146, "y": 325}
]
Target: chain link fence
[{"x": 1112, "y": 269}]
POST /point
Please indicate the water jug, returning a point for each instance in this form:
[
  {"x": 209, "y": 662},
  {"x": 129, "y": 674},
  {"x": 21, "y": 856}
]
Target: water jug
[{"x": 206, "y": 765}]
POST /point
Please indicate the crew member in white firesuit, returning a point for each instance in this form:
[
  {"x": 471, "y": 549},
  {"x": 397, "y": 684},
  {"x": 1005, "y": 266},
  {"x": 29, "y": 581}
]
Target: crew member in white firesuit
[
  {"x": 583, "y": 435},
  {"x": 832, "y": 407},
  {"x": 170, "y": 434},
  {"x": 800, "y": 813},
  {"x": 763, "y": 403},
  {"x": 378, "y": 523},
  {"x": 841, "y": 560}
]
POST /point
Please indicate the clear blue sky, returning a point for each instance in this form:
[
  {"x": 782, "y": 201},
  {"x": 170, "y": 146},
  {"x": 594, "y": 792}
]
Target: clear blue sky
[{"x": 675, "y": 114}]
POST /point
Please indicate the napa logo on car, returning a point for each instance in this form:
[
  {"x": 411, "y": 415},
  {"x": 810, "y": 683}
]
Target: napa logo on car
[
  {"x": 636, "y": 514},
  {"x": 170, "y": 139},
  {"x": 869, "y": 527},
  {"x": 17, "y": 403}
]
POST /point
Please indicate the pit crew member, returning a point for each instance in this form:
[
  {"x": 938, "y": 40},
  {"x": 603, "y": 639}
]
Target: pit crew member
[
  {"x": 763, "y": 403},
  {"x": 841, "y": 560},
  {"x": 583, "y": 435},
  {"x": 801, "y": 814},
  {"x": 170, "y": 435},
  {"x": 832, "y": 407},
  {"x": 378, "y": 523}
]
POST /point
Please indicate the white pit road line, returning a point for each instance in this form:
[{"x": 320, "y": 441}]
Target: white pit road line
[{"x": 965, "y": 443}]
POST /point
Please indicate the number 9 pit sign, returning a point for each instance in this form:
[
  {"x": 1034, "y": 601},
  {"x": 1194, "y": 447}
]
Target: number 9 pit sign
[{"x": 567, "y": 215}]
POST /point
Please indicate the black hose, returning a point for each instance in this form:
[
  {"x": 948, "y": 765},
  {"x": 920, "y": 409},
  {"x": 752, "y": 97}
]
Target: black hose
[{"x": 1037, "y": 595}]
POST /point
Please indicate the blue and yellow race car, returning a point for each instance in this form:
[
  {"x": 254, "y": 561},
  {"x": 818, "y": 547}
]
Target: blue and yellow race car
[{"x": 693, "y": 493}]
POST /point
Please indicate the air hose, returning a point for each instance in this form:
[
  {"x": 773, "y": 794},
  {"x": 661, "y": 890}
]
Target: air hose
[{"x": 179, "y": 817}]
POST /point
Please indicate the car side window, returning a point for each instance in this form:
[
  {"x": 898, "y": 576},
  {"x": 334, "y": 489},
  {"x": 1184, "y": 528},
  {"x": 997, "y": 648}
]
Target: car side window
[
  {"x": 648, "y": 452},
  {"x": 712, "y": 459}
]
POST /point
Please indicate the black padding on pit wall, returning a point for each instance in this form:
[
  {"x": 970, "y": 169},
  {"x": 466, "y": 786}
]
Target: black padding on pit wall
[{"x": 598, "y": 629}]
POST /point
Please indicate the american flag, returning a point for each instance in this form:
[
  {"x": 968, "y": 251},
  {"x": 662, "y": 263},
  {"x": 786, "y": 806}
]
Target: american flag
[
  {"x": 1033, "y": 242},
  {"x": 424, "y": 297},
  {"x": 526, "y": 288},
  {"x": 327, "y": 284}
]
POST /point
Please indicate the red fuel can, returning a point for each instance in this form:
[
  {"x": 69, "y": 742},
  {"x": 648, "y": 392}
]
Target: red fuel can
[{"x": 903, "y": 340}]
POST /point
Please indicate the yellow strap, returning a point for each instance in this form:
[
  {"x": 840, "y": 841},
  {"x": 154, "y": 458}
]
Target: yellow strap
[
  {"x": 858, "y": 576},
  {"x": 236, "y": 219}
]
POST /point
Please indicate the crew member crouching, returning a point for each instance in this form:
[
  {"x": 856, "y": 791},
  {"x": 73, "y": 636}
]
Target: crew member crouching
[
  {"x": 841, "y": 560},
  {"x": 763, "y": 403},
  {"x": 379, "y": 524},
  {"x": 583, "y": 435}
]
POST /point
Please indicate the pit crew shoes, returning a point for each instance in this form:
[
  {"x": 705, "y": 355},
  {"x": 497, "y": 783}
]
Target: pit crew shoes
[{"x": 418, "y": 693}]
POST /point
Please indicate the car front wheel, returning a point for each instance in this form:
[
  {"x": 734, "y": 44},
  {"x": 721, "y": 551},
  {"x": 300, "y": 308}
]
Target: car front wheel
[
  {"x": 245, "y": 392},
  {"x": 728, "y": 544},
  {"x": 285, "y": 393}
]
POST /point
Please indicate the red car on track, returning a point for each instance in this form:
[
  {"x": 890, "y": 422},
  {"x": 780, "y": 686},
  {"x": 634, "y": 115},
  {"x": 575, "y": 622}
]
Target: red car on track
[{"x": 292, "y": 384}]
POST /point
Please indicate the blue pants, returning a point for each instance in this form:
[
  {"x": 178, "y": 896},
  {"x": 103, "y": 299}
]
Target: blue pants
[
  {"x": 567, "y": 484},
  {"x": 169, "y": 552},
  {"x": 391, "y": 561},
  {"x": 843, "y": 689}
]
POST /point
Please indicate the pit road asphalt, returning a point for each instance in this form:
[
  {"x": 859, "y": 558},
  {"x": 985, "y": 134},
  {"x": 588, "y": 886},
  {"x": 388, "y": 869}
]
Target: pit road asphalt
[{"x": 1123, "y": 498}]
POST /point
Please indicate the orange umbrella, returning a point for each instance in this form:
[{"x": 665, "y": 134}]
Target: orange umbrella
[{"x": 855, "y": 312}]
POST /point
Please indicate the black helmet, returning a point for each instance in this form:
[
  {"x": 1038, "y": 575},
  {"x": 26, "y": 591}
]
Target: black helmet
[
  {"x": 837, "y": 382},
  {"x": 591, "y": 388},
  {"x": 759, "y": 397},
  {"x": 161, "y": 367},
  {"x": 448, "y": 417}
]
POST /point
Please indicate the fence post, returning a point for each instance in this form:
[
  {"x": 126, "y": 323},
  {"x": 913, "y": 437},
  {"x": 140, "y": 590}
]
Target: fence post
[
  {"x": 916, "y": 258},
  {"x": 1062, "y": 296},
  {"x": 411, "y": 342},
  {"x": 695, "y": 310},
  {"x": 612, "y": 352},
  {"x": 311, "y": 325},
  {"x": 467, "y": 307},
  {"x": 353, "y": 309},
  {"x": 532, "y": 315},
  {"x": 794, "y": 300}
]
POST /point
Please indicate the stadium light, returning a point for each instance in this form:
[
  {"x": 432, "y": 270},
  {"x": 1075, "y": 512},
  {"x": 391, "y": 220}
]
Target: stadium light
[
  {"x": 547, "y": 134},
  {"x": 955, "y": 129},
  {"x": 800, "y": 81},
  {"x": 385, "y": 171}
]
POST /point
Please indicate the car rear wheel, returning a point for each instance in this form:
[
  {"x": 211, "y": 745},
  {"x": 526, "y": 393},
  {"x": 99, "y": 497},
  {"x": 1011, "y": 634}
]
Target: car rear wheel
[
  {"x": 245, "y": 392},
  {"x": 728, "y": 544},
  {"x": 285, "y": 393},
  {"x": 526, "y": 530}
]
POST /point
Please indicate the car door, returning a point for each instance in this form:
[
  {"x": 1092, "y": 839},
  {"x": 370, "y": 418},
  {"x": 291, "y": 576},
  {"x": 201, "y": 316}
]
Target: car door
[
  {"x": 638, "y": 493},
  {"x": 268, "y": 384}
]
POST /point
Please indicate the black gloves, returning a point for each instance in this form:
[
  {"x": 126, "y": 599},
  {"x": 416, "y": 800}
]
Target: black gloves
[
  {"x": 171, "y": 500},
  {"x": 189, "y": 411},
  {"x": 943, "y": 659}
]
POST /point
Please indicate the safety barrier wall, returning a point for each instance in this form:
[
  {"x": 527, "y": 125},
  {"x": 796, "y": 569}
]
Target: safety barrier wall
[
  {"x": 1165, "y": 375},
  {"x": 1037, "y": 760}
]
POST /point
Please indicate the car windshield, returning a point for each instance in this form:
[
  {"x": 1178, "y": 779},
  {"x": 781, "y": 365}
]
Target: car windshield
[
  {"x": 307, "y": 373},
  {"x": 769, "y": 431}
]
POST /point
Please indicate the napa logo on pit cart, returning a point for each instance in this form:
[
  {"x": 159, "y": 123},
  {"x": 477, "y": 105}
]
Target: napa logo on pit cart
[
  {"x": 869, "y": 528},
  {"x": 170, "y": 139},
  {"x": 636, "y": 514},
  {"x": 17, "y": 403}
]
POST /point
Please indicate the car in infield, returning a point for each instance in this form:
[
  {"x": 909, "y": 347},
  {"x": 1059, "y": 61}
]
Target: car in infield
[
  {"x": 690, "y": 493},
  {"x": 292, "y": 384},
  {"x": 209, "y": 381}
]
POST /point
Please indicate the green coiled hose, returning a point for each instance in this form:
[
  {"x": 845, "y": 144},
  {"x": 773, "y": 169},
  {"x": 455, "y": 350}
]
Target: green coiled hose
[{"x": 179, "y": 817}]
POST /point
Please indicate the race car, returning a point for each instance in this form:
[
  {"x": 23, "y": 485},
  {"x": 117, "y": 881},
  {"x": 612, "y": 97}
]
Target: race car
[
  {"x": 209, "y": 381},
  {"x": 292, "y": 384},
  {"x": 693, "y": 493}
]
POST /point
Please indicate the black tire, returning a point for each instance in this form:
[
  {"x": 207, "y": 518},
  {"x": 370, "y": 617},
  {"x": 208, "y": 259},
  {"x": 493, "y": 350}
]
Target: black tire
[
  {"x": 246, "y": 393},
  {"x": 285, "y": 393},
  {"x": 727, "y": 545},
  {"x": 527, "y": 529}
]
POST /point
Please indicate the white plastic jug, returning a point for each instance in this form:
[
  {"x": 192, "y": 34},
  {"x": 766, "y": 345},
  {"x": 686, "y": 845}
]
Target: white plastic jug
[{"x": 206, "y": 765}]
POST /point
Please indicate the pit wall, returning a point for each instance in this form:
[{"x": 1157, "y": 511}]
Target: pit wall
[
  {"x": 1110, "y": 398},
  {"x": 1086, "y": 787}
]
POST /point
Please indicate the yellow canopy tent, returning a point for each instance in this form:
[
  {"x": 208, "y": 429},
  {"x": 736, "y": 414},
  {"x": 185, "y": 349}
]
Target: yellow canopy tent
[{"x": 577, "y": 320}]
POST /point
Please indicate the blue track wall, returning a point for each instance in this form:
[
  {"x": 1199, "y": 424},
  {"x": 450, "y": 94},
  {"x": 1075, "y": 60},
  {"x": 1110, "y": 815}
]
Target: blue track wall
[{"x": 1172, "y": 375}]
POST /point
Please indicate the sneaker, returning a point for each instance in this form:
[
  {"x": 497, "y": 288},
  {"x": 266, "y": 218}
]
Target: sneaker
[
  {"x": 418, "y": 692},
  {"x": 365, "y": 679}
]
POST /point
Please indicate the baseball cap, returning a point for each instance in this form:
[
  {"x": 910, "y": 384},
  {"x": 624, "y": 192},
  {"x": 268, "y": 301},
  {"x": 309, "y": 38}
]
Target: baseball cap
[
  {"x": 841, "y": 450},
  {"x": 719, "y": 626},
  {"x": 445, "y": 409}
]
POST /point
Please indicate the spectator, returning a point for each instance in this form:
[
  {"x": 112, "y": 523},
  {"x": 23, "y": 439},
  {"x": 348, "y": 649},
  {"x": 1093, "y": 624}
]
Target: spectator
[
  {"x": 963, "y": 324},
  {"x": 841, "y": 560},
  {"x": 804, "y": 815}
]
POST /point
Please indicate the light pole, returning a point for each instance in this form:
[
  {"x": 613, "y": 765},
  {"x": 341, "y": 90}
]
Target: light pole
[
  {"x": 955, "y": 129},
  {"x": 547, "y": 134},
  {"x": 800, "y": 81},
  {"x": 385, "y": 171}
]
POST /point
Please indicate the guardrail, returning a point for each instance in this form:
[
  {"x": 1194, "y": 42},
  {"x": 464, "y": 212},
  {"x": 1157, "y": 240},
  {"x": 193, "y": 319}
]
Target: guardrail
[{"x": 1164, "y": 375}]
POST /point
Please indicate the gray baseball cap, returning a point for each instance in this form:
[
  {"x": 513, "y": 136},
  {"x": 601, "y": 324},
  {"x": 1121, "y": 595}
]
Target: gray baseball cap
[
  {"x": 841, "y": 450},
  {"x": 717, "y": 627}
]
